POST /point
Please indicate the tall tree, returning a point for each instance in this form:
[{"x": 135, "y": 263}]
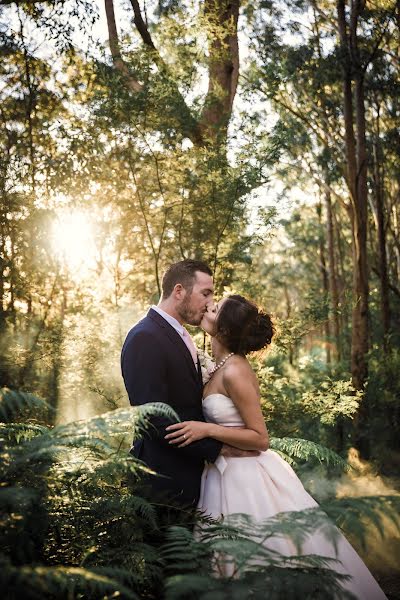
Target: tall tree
[
  {"x": 356, "y": 173},
  {"x": 220, "y": 25}
]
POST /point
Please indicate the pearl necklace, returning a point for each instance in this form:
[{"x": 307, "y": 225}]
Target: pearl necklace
[{"x": 220, "y": 364}]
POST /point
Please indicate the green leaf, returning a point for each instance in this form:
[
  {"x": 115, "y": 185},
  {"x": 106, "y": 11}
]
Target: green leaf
[{"x": 305, "y": 450}]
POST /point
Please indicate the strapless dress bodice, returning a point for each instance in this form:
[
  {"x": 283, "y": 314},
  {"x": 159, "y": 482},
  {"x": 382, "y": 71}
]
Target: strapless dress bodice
[{"x": 218, "y": 408}]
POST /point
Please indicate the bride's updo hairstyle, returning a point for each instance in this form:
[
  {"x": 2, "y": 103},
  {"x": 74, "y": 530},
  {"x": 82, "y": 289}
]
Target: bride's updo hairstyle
[{"x": 242, "y": 327}]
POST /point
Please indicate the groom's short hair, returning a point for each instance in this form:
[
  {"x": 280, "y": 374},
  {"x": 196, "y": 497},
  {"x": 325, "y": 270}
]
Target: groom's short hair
[{"x": 182, "y": 272}]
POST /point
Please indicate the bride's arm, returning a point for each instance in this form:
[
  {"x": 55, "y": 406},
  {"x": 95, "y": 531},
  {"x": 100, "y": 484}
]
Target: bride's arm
[{"x": 243, "y": 392}]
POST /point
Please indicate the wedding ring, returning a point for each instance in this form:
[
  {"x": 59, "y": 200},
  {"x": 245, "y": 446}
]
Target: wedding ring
[{"x": 184, "y": 436}]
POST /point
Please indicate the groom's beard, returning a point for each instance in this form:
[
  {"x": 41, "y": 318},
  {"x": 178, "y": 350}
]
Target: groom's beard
[{"x": 187, "y": 314}]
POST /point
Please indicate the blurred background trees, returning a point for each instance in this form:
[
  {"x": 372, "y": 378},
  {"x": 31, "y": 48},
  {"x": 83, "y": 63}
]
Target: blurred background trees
[{"x": 260, "y": 137}]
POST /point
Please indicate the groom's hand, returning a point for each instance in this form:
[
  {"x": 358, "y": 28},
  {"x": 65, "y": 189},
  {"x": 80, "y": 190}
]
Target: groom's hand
[{"x": 232, "y": 452}]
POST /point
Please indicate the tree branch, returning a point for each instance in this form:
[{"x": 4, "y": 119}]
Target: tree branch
[
  {"x": 394, "y": 288},
  {"x": 187, "y": 123},
  {"x": 141, "y": 25},
  {"x": 118, "y": 61}
]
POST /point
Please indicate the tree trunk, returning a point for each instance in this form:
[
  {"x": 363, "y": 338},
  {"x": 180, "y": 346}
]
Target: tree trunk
[
  {"x": 333, "y": 284},
  {"x": 13, "y": 276},
  {"x": 27, "y": 366},
  {"x": 381, "y": 230},
  {"x": 288, "y": 314},
  {"x": 395, "y": 226},
  {"x": 2, "y": 268},
  {"x": 57, "y": 352},
  {"x": 360, "y": 329},
  {"x": 223, "y": 70},
  {"x": 344, "y": 324},
  {"x": 325, "y": 285},
  {"x": 356, "y": 156}
]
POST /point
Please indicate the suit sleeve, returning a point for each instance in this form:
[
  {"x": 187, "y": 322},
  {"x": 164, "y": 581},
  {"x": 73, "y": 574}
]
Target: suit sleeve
[{"x": 144, "y": 371}]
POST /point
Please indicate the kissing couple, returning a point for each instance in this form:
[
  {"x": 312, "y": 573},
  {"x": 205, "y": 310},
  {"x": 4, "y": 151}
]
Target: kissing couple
[{"x": 217, "y": 458}]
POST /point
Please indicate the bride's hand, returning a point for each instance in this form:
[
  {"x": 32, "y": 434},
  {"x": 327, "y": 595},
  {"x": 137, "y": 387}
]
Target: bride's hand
[{"x": 182, "y": 434}]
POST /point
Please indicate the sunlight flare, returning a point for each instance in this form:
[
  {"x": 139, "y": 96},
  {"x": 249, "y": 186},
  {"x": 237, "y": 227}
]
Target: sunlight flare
[{"x": 73, "y": 240}]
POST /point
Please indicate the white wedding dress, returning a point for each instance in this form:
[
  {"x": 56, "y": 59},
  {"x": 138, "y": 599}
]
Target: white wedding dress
[{"x": 265, "y": 485}]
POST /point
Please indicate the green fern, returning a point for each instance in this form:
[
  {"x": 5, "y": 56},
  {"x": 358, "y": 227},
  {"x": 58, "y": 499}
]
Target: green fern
[
  {"x": 66, "y": 498},
  {"x": 121, "y": 508},
  {"x": 119, "y": 422},
  {"x": 296, "y": 449},
  {"x": 59, "y": 582},
  {"x": 355, "y": 516},
  {"x": 181, "y": 552},
  {"x": 131, "y": 578},
  {"x": 11, "y": 433},
  {"x": 240, "y": 542},
  {"x": 13, "y": 403},
  {"x": 141, "y": 562},
  {"x": 296, "y": 526},
  {"x": 272, "y": 583},
  {"x": 88, "y": 442}
]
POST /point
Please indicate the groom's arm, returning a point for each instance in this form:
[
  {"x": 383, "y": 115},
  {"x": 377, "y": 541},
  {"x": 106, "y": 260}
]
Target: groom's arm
[{"x": 144, "y": 370}]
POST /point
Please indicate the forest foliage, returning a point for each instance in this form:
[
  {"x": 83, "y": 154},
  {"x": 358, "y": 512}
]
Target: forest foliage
[
  {"x": 75, "y": 526},
  {"x": 261, "y": 137}
]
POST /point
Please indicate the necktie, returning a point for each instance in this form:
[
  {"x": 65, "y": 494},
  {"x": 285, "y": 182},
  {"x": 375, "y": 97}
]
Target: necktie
[{"x": 190, "y": 344}]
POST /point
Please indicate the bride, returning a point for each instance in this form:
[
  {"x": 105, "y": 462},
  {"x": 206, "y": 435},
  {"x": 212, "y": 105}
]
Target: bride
[{"x": 264, "y": 485}]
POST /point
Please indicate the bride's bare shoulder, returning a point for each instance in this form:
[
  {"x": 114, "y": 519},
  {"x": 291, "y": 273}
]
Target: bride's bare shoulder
[{"x": 238, "y": 369}]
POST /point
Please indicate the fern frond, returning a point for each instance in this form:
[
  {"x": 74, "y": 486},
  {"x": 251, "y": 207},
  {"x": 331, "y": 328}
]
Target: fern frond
[
  {"x": 272, "y": 583},
  {"x": 15, "y": 433},
  {"x": 119, "y": 508},
  {"x": 46, "y": 448},
  {"x": 283, "y": 455},
  {"x": 81, "y": 473},
  {"x": 138, "y": 553},
  {"x": 313, "y": 583},
  {"x": 296, "y": 526},
  {"x": 120, "y": 421},
  {"x": 59, "y": 582},
  {"x": 93, "y": 436},
  {"x": 196, "y": 586},
  {"x": 13, "y": 402},
  {"x": 243, "y": 539},
  {"x": 17, "y": 506},
  {"x": 134, "y": 578},
  {"x": 182, "y": 553},
  {"x": 305, "y": 450},
  {"x": 356, "y": 515},
  {"x": 244, "y": 566}
]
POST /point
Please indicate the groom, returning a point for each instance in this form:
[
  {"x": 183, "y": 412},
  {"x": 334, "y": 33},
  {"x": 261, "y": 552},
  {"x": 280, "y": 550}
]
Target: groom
[{"x": 160, "y": 364}]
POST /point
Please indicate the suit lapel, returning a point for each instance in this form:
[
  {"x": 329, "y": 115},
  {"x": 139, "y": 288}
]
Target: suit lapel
[
  {"x": 176, "y": 339},
  {"x": 199, "y": 374}
]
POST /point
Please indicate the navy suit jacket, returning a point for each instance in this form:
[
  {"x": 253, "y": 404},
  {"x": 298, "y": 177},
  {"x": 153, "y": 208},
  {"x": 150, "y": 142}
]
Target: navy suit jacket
[{"x": 158, "y": 367}]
